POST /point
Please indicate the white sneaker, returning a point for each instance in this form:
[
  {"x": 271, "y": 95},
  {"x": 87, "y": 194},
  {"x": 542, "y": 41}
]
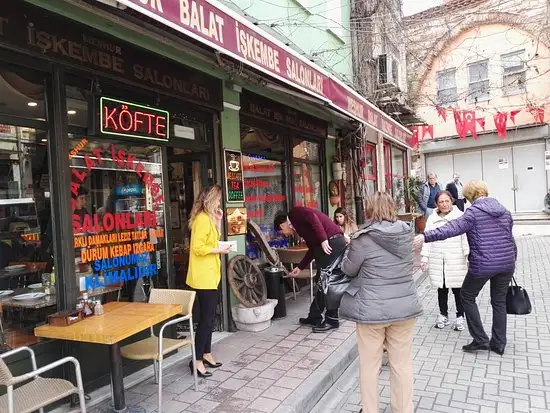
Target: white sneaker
[
  {"x": 459, "y": 324},
  {"x": 442, "y": 321}
]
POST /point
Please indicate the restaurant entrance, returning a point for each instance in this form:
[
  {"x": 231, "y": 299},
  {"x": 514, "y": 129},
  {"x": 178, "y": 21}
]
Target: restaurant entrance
[{"x": 189, "y": 171}]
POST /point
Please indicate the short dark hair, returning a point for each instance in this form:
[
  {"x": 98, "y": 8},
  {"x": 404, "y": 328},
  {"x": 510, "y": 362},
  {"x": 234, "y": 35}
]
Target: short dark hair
[
  {"x": 444, "y": 193},
  {"x": 82, "y": 191},
  {"x": 280, "y": 218}
]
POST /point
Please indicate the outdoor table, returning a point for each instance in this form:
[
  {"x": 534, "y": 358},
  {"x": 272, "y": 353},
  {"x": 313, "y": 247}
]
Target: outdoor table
[{"x": 120, "y": 321}]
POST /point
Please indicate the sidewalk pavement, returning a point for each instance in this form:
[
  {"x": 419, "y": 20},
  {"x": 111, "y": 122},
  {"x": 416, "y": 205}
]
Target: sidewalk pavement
[
  {"x": 284, "y": 369},
  {"x": 450, "y": 381}
]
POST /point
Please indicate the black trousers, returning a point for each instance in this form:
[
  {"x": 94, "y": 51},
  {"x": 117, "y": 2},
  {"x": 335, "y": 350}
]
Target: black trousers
[
  {"x": 443, "y": 297},
  {"x": 208, "y": 300},
  {"x": 323, "y": 260},
  {"x": 471, "y": 287},
  {"x": 460, "y": 204}
]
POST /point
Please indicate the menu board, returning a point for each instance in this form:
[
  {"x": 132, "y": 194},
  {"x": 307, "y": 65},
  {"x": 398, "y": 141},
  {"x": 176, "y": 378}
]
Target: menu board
[{"x": 234, "y": 176}]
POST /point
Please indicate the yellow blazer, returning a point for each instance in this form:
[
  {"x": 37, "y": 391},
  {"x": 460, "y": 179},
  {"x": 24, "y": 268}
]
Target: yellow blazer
[{"x": 204, "y": 271}]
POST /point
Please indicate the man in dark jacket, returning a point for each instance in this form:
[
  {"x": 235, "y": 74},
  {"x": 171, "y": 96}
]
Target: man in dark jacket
[
  {"x": 457, "y": 191},
  {"x": 326, "y": 243},
  {"x": 493, "y": 253}
]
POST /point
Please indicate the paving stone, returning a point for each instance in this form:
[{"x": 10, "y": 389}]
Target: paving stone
[
  {"x": 263, "y": 404},
  {"x": 448, "y": 380}
]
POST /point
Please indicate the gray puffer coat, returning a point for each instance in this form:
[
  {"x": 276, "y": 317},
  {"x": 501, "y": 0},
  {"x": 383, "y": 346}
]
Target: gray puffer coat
[{"x": 380, "y": 258}]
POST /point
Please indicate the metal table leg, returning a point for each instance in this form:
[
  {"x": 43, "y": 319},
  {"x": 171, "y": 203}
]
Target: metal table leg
[{"x": 117, "y": 378}]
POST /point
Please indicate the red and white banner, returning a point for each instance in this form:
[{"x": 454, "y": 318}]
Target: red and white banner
[{"x": 221, "y": 28}]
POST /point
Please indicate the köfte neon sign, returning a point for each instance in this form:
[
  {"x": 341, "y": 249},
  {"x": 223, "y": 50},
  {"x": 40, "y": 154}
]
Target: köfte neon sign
[{"x": 133, "y": 120}]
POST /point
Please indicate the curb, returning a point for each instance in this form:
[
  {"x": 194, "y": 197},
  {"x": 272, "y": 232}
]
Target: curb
[
  {"x": 316, "y": 397},
  {"x": 308, "y": 394}
]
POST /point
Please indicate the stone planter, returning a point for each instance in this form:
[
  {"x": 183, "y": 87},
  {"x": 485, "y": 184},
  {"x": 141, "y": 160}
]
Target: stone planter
[{"x": 255, "y": 318}]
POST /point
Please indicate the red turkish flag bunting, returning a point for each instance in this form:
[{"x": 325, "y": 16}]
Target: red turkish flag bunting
[
  {"x": 459, "y": 124},
  {"x": 481, "y": 122},
  {"x": 427, "y": 130},
  {"x": 413, "y": 140},
  {"x": 537, "y": 112},
  {"x": 465, "y": 123},
  {"x": 470, "y": 124},
  {"x": 442, "y": 113},
  {"x": 501, "y": 118},
  {"x": 513, "y": 115}
]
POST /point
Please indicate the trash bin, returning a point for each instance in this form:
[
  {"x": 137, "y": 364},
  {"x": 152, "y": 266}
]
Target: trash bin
[{"x": 276, "y": 289}]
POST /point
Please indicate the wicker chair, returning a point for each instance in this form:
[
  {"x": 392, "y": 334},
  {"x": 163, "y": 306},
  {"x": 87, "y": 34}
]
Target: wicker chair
[
  {"x": 155, "y": 348},
  {"x": 38, "y": 392}
]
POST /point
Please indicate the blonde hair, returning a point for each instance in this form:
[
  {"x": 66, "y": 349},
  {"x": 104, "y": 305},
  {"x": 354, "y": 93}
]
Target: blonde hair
[
  {"x": 475, "y": 189},
  {"x": 381, "y": 207},
  {"x": 207, "y": 202}
]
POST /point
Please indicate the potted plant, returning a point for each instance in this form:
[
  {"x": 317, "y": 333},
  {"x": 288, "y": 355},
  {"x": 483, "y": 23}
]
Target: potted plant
[{"x": 413, "y": 186}]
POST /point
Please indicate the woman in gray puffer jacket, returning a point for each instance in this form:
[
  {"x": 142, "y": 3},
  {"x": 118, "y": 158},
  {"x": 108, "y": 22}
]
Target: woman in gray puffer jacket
[{"x": 383, "y": 301}]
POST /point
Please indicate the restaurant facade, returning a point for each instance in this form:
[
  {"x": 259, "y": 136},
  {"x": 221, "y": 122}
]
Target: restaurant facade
[{"x": 111, "y": 121}]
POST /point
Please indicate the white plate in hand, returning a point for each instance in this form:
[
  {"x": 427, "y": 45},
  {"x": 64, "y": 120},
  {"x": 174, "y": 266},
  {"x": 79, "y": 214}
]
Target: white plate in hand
[
  {"x": 29, "y": 296},
  {"x": 15, "y": 267},
  {"x": 4, "y": 293},
  {"x": 35, "y": 286}
]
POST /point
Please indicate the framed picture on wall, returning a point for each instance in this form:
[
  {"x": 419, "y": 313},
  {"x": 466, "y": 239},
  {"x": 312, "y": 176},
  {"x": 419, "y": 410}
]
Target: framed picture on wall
[{"x": 236, "y": 221}]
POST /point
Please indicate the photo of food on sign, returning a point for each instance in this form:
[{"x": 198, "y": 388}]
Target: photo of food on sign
[
  {"x": 118, "y": 220},
  {"x": 236, "y": 221}
]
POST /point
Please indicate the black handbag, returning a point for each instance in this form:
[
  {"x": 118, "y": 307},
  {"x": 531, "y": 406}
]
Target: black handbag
[
  {"x": 333, "y": 283},
  {"x": 517, "y": 299}
]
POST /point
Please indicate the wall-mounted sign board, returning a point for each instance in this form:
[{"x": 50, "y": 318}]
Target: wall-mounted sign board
[{"x": 234, "y": 176}]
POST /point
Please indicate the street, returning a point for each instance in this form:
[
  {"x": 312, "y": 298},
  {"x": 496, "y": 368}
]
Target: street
[{"x": 450, "y": 381}]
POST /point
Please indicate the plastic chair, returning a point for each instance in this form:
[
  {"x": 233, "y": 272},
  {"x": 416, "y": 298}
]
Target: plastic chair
[
  {"x": 155, "y": 348},
  {"x": 38, "y": 392}
]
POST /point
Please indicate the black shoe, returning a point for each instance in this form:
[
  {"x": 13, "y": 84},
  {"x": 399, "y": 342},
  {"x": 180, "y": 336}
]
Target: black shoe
[
  {"x": 308, "y": 322},
  {"x": 323, "y": 328},
  {"x": 214, "y": 366},
  {"x": 200, "y": 373},
  {"x": 497, "y": 350},
  {"x": 473, "y": 347}
]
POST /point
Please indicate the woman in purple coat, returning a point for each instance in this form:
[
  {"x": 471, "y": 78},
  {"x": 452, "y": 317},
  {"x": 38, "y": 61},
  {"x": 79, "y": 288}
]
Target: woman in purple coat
[{"x": 493, "y": 252}]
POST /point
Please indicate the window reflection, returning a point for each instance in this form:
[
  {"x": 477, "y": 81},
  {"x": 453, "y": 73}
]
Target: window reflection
[{"x": 21, "y": 95}]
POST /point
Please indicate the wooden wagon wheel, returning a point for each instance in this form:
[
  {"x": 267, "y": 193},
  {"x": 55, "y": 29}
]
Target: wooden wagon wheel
[
  {"x": 247, "y": 281},
  {"x": 270, "y": 253}
]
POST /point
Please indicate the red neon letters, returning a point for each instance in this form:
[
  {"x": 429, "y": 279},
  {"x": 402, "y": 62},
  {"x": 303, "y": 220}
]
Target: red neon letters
[{"x": 127, "y": 120}]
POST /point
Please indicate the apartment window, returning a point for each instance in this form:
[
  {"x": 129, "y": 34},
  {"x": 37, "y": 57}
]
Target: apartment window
[
  {"x": 478, "y": 76},
  {"x": 446, "y": 87},
  {"x": 514, "y": 72}
]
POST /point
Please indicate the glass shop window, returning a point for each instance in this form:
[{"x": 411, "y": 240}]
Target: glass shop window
[
  {"x": 118, "y": 217},
  {"x": 307, "y": 174},
  {"x": 27, "y": 272},
  {"x": 264, "y": 184}
]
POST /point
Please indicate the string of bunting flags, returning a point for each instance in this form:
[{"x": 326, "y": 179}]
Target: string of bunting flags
[{"x": 467, "y": 123}]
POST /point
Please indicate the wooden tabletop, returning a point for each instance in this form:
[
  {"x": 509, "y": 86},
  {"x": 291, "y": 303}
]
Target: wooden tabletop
[{"x": 120, "y": 321}]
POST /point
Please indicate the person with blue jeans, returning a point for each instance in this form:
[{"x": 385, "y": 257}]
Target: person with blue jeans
[
  {"x": 428, "y": 192},
  {"x": 493, "y": 253}
]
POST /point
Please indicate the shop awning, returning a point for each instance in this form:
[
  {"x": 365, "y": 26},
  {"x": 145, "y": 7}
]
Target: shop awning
[{"x": 221, "y": 28}]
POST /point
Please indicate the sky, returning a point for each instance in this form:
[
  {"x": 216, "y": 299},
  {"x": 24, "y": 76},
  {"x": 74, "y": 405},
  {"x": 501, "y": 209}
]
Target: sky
[{"x": 416, "y": 6}]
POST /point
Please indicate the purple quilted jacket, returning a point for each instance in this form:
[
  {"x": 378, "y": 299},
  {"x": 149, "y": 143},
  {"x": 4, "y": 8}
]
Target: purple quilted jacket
[{"x": 488, "y": 226}]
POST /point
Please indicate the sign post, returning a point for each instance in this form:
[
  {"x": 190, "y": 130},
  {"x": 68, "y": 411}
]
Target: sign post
[{"x": 234, "y": 176}]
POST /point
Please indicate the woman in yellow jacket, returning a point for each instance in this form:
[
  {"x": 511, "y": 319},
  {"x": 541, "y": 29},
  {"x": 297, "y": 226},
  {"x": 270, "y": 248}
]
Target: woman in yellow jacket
[{"x": 204, "y": 272}]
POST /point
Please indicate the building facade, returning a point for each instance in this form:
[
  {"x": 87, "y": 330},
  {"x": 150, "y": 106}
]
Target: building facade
[
  {"x": 479, "y": 77},
  {"x": 114, "y": 115}
]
